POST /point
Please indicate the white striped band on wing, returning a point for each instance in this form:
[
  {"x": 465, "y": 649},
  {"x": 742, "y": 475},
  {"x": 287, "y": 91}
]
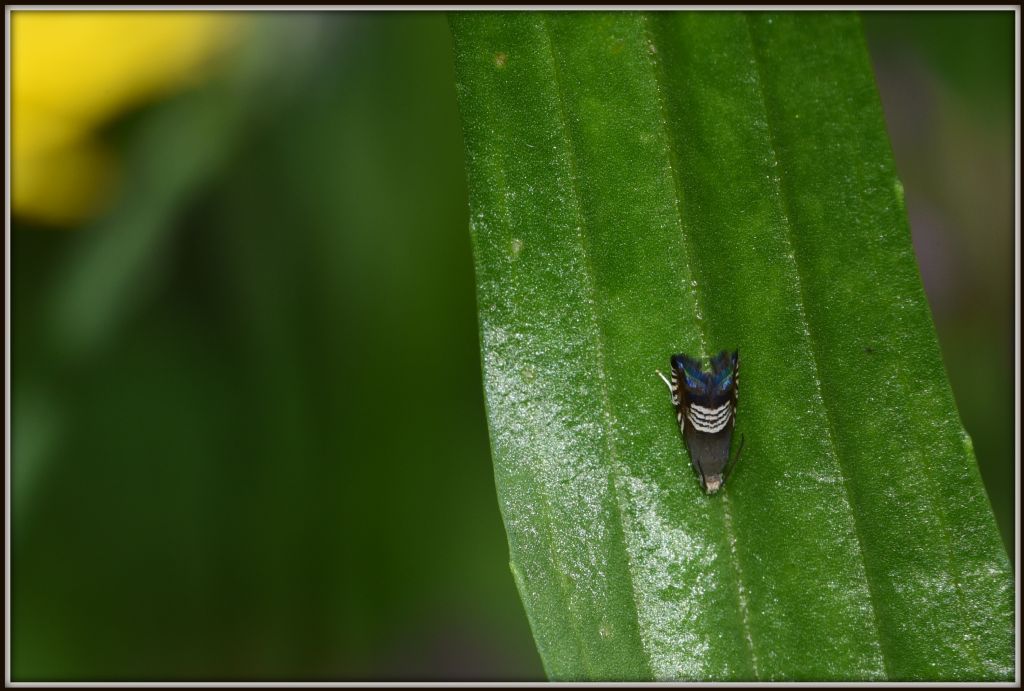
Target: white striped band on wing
[{"x": 709, "y": 420}]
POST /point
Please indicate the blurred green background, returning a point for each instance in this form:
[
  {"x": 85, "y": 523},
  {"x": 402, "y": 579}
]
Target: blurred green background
[{"x": 248, "y": 435}]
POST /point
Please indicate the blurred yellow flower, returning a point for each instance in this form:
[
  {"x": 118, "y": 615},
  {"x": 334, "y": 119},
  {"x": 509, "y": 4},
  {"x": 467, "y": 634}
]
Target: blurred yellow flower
[{"x": 74, "y": 71}]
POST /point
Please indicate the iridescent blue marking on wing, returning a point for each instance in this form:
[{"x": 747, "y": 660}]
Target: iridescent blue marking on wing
[
  {"x": 697, "y": 384},
  {"x": 695, "y": 380},
  {"x": 723, "y": 367}
]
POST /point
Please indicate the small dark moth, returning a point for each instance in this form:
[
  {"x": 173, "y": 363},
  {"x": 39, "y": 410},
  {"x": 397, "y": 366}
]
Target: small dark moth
[{"x": 705, "y": 405}]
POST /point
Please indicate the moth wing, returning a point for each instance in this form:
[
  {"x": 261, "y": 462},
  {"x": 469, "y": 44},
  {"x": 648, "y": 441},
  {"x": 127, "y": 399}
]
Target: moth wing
[{"x": 682, "y": 412}]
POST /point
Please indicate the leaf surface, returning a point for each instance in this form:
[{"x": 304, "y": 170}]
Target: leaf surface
[{"x": 649, "y": 184}]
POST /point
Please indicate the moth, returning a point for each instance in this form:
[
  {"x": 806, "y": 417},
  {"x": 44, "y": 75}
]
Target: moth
[{"x": 705, "y": 404}]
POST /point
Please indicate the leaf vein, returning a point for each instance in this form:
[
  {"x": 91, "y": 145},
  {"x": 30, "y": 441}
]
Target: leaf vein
[
  {"x": 787, "y": 235},
  {"x": 659, "y": 77}
]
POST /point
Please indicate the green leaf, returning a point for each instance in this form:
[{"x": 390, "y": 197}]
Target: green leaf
[{"x": 643, "y": 185}]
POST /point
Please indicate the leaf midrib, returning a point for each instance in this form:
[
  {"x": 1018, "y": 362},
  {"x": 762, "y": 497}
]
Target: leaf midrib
[{"x": 657, "y": 69}]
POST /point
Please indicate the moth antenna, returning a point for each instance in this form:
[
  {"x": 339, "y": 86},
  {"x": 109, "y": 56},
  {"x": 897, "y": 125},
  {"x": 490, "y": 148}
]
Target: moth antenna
[
  {"x": 728, "y": 470},
  {"x": 664, "y": 379}
]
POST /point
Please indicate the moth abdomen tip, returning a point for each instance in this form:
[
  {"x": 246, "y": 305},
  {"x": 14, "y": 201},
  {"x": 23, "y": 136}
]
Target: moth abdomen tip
[{"x": 712, "y": 484}]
